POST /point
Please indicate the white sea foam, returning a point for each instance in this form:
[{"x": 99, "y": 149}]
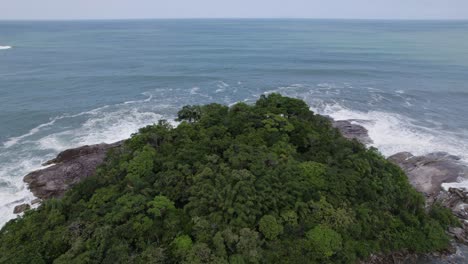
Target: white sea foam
[
  {"x": 149, "y": 98},
  {"x": 12, "y": 141},
  {"x": 221, "y": 86},
  {"x": 108, "y": 127},
  {"x": 463, "y": 184},
  {"x": 394, "y": 133},
  {"x": 194, "y": 90},
  {"x": 16, "y": 193},
  {"x": 5, "y": 47}
]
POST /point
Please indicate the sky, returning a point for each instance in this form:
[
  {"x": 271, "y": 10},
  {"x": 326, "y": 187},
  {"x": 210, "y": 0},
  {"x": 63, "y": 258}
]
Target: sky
[{"x": 126, "y": 9}]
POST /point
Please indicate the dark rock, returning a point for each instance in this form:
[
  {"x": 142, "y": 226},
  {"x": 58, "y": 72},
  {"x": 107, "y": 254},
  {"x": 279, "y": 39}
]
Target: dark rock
[
  {"x": 455, "y": 254},
  {"x": 400, "y": 157},
  {"x": 395, "y": 257},
  {"x": 71, "y": 166},
  {"x": 36, "y": 201},
  {"x": 457, "y": 201},
  {"x": 459, "y": 233},
  {"x": 351, "y": 130},
  {"x": 21, "y": 208},
  {"x": 427, "y": 173},
  {"x": 71, "y": 154}
]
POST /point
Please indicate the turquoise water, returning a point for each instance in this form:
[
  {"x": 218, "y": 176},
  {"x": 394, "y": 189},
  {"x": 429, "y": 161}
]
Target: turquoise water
[{"x": 65, "y": 84}]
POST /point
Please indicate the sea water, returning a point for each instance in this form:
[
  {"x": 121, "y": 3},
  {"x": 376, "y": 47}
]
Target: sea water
[{"x": 64, "y": 84}]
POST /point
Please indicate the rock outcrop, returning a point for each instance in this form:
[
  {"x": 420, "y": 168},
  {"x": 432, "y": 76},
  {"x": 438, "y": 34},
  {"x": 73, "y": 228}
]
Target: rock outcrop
[
  {"x": 457, "y": 201},
  {"x": 351, "y": 130},
  {"x": 21, "y": 208},
  {"x": 36, "y": 201},
  {"x": 427, "y": 173},
  {"x": 70, "y": 167}
]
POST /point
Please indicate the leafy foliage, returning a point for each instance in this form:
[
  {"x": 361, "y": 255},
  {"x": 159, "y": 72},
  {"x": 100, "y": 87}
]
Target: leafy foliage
[
  {"x": 324, "y": 241},
  {"x": 265, "y": 183},
  {"x": 269, "y": 227}
]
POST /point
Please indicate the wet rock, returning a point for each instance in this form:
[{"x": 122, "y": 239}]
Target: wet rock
[
  {"x": 457, "y": 201},
  {"x": 70, "y": 167},
  {"x": 427, "y": 173},
  {"x": 72, "y": 154},
  {"x": 395, "y": 257},
  {"x": 455, "y": 254},
  {"x": 459, "y": 233},
  {"x": 36, "y": 201},
  {"x": 349, "y": 129},
  {"x": 21, "y": 208}
]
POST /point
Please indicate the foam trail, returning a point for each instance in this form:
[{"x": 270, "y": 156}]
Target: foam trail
[
  {"x": 15, "y": 192},
  {"x": 150, "y": 97},
  {"x": 14, "y": 140},
  {"x": 194, "y": 90},
  {"x": 108, "y": 128},
  {"x": 5, "y": 47},
  {"x": 221, "y": 86}
]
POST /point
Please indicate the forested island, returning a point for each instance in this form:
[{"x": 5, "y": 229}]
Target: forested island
[{"x": 270, "y": 182}]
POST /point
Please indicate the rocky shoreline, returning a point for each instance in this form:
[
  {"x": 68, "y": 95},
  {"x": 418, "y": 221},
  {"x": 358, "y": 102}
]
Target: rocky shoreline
[
  {"x": 68, "y": 168},
  {"x": 426, "y": 173}
]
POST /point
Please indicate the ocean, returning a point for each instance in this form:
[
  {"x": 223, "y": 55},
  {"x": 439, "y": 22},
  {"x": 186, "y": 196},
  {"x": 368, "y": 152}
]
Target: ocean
[{"x": 65, "y": 84}]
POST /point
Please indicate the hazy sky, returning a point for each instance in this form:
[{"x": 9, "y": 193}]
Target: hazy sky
[{"x": 110, "y": 9}]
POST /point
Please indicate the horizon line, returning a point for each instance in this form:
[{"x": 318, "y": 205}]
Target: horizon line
[{"x": 232, "y": 18}]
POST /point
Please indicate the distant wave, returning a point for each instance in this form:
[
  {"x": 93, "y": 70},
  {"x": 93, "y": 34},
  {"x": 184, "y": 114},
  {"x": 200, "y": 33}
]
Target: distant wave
[{"x": 5, "y": 47}]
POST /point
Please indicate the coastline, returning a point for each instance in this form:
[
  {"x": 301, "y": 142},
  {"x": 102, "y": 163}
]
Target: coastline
[
  {"x": 72, "y": 165},
  {"x": 76, "y": 161}
]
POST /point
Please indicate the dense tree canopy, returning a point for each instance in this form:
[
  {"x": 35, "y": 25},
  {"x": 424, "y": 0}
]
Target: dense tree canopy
[{"x": 265, "y": 183}]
